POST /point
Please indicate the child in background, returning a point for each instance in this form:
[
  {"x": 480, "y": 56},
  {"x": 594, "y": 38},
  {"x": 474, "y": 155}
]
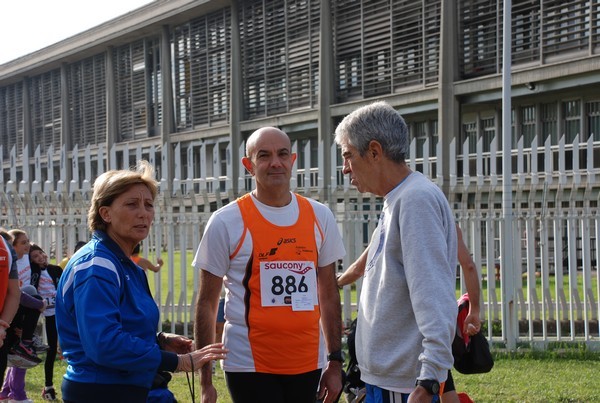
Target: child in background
[
  {"x": 145, "y": 263},
  {"x": 44, "y": 277}
]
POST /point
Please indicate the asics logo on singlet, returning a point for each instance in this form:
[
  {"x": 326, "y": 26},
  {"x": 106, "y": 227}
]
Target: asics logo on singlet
[{"x": 286, "y": 240}]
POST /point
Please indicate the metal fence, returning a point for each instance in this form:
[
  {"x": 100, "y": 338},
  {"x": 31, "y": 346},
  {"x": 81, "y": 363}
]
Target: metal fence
[{"x": 553, "y": 277}]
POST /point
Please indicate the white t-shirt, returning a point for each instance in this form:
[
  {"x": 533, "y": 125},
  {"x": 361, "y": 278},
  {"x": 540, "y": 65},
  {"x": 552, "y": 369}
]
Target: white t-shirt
[
  {"x": 47, "y": 291},
  {"x": 24, "y": 268}
]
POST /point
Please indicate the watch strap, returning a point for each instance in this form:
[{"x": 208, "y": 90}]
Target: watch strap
[{"x": 337, "y": 355}]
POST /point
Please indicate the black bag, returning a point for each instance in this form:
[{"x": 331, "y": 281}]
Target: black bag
[
  {"x": 475, "y": 357},
  {"x": 352, "y": 370}
]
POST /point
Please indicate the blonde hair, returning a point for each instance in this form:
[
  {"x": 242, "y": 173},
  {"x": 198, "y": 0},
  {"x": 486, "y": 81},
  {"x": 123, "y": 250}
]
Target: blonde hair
[
  {"x": 16, "y": 234},
  {"x": 112, "y": 184}
]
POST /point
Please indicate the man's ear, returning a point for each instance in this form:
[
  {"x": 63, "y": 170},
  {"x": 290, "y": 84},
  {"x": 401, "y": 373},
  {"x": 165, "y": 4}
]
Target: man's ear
[
  {"x": 375, "y": 150},
  {"x": 294, "y": 156},
  {"x": 247, "y": 164}
]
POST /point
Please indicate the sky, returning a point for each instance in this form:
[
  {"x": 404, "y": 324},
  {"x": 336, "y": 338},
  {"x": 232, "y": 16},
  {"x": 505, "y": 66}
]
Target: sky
[{"x": 29, "y": 25}]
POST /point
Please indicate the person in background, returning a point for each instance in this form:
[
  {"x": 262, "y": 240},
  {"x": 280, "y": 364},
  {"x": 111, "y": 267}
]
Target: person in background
[
  {"x": 106, "y": 317},
  {"x": 145, "y": 263},
  {"x": 275, "y": 252},
  {"x": 10, "y": 293},
  {"x": 472, "y": 323},
  {"x": 63, "y": 263},
  {"x": 407, "y": 308},
  {"x": 20, "y": 341},
  {"x": 44, "y": 277}
]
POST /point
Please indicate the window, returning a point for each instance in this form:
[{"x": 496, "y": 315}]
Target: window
[
  {"x": 593, "y": 116},
  {"x": 87, "y": 101},
  {"x": 420, "y": 134},
  {"x": 526, "y": 31},
  {"x": 470, "y": 134},
  {"x": 280, "y": 55},
  {"x": 527, "y": 125},
  {"x": 46, "y": 117},
  {"x": 11, "y": 119},
  {"x": 488, "y": 126},
  {"x": 202, "y": 67},
  {"x": 572, "y": 119},
  {"x": 549, "y": 119},
  {"x": 566, "y": 26},
  {"x": 383, "y": 46},
  {"x": 137, "y": 77},
  {"x": 478, "y": 32}
]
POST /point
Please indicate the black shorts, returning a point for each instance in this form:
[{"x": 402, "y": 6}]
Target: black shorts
[
  {"x": 449, "y": 385},
  {"x": 252, "y": 387}
]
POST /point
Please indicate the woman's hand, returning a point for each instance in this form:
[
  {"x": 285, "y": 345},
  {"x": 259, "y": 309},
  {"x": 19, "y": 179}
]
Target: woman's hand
[
  {"x": 195, "y": 360},
  {"x": 174, "y": 343}
]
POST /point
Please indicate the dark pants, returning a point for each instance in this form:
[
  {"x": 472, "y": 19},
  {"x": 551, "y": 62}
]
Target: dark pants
[
  {"x": 52, "y": 337},
  {"x": 252, "y": 387},
  {"x": 26, "y": 319},
  {"x": 76, "y": 392},
  {"x": 11, "y": 339}
]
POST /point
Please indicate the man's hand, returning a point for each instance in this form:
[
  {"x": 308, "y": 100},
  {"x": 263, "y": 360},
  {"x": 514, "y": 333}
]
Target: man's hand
[
  {"x": 472, "y": 324},
  {"x": 420, "y": 395},
  {"x": 331, "y": 383},
  {"x": 2, "y": 335},
  {"x": 175, "y": 343}
]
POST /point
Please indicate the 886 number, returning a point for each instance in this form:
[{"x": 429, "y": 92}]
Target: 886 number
[{"x": 290, "y": 286}]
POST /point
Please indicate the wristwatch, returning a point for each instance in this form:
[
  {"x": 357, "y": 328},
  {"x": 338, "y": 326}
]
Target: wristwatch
[
  {"x": 430, "y": 385},
  {"x": 336, "y": 356}
]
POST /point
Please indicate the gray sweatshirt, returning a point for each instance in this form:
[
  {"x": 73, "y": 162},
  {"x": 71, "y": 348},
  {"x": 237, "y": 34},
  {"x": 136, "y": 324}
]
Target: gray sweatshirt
[{"x": 407, "y": 310}]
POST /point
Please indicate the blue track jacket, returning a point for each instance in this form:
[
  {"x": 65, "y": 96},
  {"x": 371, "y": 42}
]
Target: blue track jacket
[{"x": 107, "y": 319}]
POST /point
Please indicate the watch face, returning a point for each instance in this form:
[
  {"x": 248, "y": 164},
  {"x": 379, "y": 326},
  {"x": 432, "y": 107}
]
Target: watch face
[{"x": 432, "y": 386}]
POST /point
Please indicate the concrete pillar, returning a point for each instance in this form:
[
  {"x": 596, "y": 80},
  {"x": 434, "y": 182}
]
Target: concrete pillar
[
  {"x": 28, "y": 143},
  {"x": 236, "y": 100},
  {"x": 66, "y": 135},
  {"x": 168, "y": 121},
  {"x": 326, "y": 95},
  {"x": 112, "y": 126},
  {"x": 448, "y": 111}
]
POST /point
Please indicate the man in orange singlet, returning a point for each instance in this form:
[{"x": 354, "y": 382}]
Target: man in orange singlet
[{"x": 275, "y": 253}]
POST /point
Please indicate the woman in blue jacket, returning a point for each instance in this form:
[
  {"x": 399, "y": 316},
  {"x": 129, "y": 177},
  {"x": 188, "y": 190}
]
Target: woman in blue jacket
[{"x": 105, "y": 314}]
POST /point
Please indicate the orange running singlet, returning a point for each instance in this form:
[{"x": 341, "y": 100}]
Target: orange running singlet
[{"x": 282, "y": 310}]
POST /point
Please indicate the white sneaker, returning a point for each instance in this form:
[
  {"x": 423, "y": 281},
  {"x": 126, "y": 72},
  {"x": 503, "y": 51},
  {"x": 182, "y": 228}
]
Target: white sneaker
[
  {"x": 20, "y": 401},
  {"x": 48, "y": 393}
]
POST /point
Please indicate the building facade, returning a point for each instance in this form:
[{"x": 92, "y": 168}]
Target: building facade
[{"x": 207, "y": 73}]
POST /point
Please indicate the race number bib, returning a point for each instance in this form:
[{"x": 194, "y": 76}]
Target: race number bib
[
  {"x": 50, "y": 302},
  {"x": 281, "y": 282}
]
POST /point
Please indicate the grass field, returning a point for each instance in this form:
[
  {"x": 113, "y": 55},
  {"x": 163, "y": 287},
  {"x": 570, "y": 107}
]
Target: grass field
[
  {"x": 521, "y": 377},
  {"x": 551, "y": 376}
]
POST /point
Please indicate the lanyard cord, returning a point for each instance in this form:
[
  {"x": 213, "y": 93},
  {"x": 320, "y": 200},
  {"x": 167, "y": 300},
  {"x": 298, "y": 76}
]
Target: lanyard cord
[{"x": 192, "y": 385}]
